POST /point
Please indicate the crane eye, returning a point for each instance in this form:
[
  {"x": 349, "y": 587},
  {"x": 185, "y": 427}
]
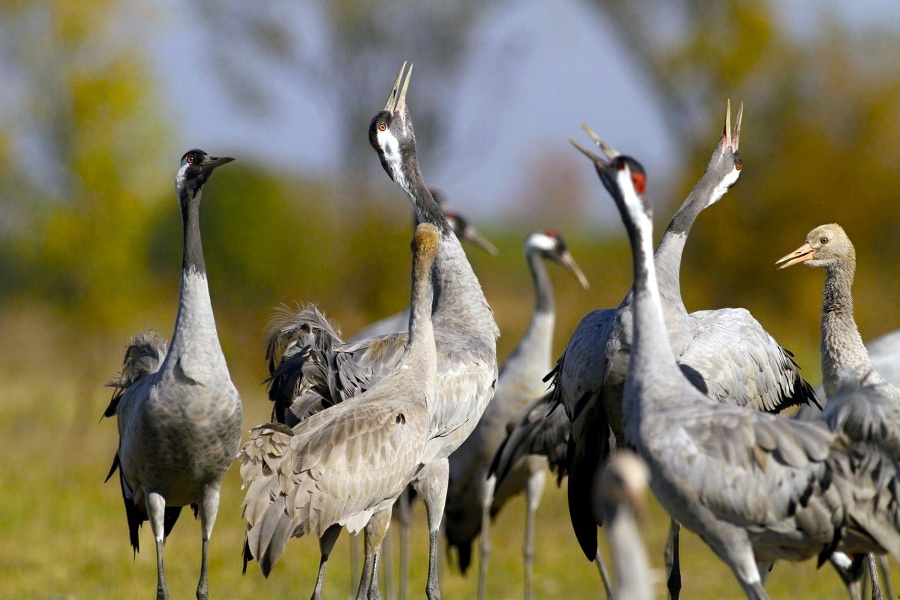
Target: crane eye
[
  {"x": 823, "y": 239},
  {"x": 190, "y": 159},
  {"x": 737, "y": 166},
  {"x": 382, "y": 126}
]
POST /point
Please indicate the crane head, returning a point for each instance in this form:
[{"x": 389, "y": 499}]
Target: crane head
[
  {"x": 551, "y": 246},
  {"x": 196, "y": 167},
  {"x": 391, "y": 131}
]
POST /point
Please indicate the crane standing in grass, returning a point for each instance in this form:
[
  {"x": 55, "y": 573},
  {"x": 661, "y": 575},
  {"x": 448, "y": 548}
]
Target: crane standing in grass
[
  {"x": 345, "y": 466},
  {"x": 472, "y": 498},
  {"x": 756, "y": 487},
  {"x": 313, "y": 369},
  {"x": 179, "y": 414}
]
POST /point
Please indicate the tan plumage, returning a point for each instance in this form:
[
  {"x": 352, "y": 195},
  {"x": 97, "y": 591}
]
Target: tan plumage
[{"x": 341, "y": 466}]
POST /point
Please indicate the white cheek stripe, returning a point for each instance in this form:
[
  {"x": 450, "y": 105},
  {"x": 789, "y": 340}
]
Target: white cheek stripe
[{"x": 726, "y": 183}]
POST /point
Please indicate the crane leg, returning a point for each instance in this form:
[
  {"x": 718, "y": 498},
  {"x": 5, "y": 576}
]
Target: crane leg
[
  {"x": 484, "y": 541},
  {"x": 385, "y": 564},
  {"x": 534, "y": 490},
  {"x": 873, "y": 573},
  {"x": 156, "y": 511},
  {"x": 673, "y": 561},
  {"x": 207, "y": 511},
  {"x": 326, "y": 545},
  {"x": 376, "y": 530},
  {"x": 604, "y": 574},
  {"x": 432, "y": 486}
]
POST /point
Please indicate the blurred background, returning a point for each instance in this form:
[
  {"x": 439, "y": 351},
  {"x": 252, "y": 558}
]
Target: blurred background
[{"x": 100, "y": 99}]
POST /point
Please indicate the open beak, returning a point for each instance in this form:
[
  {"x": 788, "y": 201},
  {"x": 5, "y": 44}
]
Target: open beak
[
  {"x": 572, "y": 267},
  {"x": 801, "y": 254},
  {"x": 397, "y": 98},
  {"x": 608, "y": 150},
  {"x": 732, "y": 135}
]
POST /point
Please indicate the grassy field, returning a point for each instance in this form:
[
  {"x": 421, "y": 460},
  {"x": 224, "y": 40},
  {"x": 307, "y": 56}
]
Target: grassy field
[{"x": 64, "y": 534}]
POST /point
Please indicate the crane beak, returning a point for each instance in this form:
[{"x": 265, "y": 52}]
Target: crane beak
[
  {"x": 470, "y": 234},
  {"x": 397, "y": 98},
  {"x": 732, "y": 136},
  {"x": 566, "y": 260},
  {"x": 801, "y": 254},
  {"x": 609, "y": 151},
  {"x": 211, "y": 162}
]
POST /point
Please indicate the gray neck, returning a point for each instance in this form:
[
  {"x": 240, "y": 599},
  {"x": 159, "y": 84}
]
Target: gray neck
[
  {"x": 459, "y": 303},
  {"x": 535, "y": 348},
  {"x": 652, "y": 359},
  {"x": 195, "y": 337},
  {"x": 842, "y": 346},
  {"x": 421, "y": 354},
  {"x": 632, "y": 566},
  {"x": 543, "y": 289}
]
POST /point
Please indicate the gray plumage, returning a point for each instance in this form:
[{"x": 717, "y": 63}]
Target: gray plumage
[
  {"x": 884, "y": 352},
  {"x": 179, "y": 415},
  {"x": 844, "y": 356},
  {"x": 345, "y": 466},
  {"x": 464, "y": 329},
  {"x": 755, "y": 486},
  {"x": 725, "y": 353},
  {"x": 472, "y": 497},
  {"x": 845, "y": 360}
]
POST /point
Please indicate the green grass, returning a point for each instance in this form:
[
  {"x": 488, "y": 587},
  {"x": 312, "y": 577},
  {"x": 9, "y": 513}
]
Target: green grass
[{"x": 64, "y": 534}]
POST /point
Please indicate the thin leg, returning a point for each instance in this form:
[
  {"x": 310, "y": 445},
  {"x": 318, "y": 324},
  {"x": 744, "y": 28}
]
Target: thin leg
[
  {"x": 156, "y": 510},
  {"x": 533, "y": 492},
  {"x": 487, "y": 498},
  {"x": 604, "y": 574},
  {"x": 376, "y": 529},
  {"x": 673, "y": 562},
  {"x": 326, "y": 545},
  {"x": 888, "y": 586},
  {"x": 208, "y": 509},
  {"x": 873, "y": 573},
  {"x": 432, "y": 486}
]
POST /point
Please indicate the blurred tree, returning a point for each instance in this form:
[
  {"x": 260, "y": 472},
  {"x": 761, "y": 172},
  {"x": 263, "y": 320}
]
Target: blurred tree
[
  {"x": 819, "y": 144},
  {"x": 351, "y": 67},
  {"x": 80, "y": 183}
]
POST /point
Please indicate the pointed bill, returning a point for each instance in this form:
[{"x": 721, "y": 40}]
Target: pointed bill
[
  {"x": 608, "y": 150},
  {"x": 391, "y": 103},
  {"x": 801, "y": 254},
  {"x": 572, "y": 267},
  {"x": 401, "y": 101},
  {"x": 736, "y": 135}
]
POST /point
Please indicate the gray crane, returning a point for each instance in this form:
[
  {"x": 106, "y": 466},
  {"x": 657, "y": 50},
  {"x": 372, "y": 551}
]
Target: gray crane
[
  {"x": 345, "y": 466},
  {"x": 472, "y": 498},
  {"x": 312, "y": 368},
  {"x": 179, "y": 415},
  {"x": 755, "y": 486},
  {"x": 619, "y": 500},
  {"x": 844, "y": 356},
  {"x": 466, "y": 232},
  {"x": 725, "y": 353}
]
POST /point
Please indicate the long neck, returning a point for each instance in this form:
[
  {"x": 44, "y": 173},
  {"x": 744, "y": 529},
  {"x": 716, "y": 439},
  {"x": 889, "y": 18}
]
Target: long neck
[
  {"x": 632, "y": 566},
  {"x": 421, "y": 353},
  {"x": 651, "y": 350},
  {"x": 459, "y": 302},
  {"x": 842, "y": 346},
  {"x": 195, "y": 326},
  {"x": 671, "y": 247},
  {"x": 535, "y": 347}
]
